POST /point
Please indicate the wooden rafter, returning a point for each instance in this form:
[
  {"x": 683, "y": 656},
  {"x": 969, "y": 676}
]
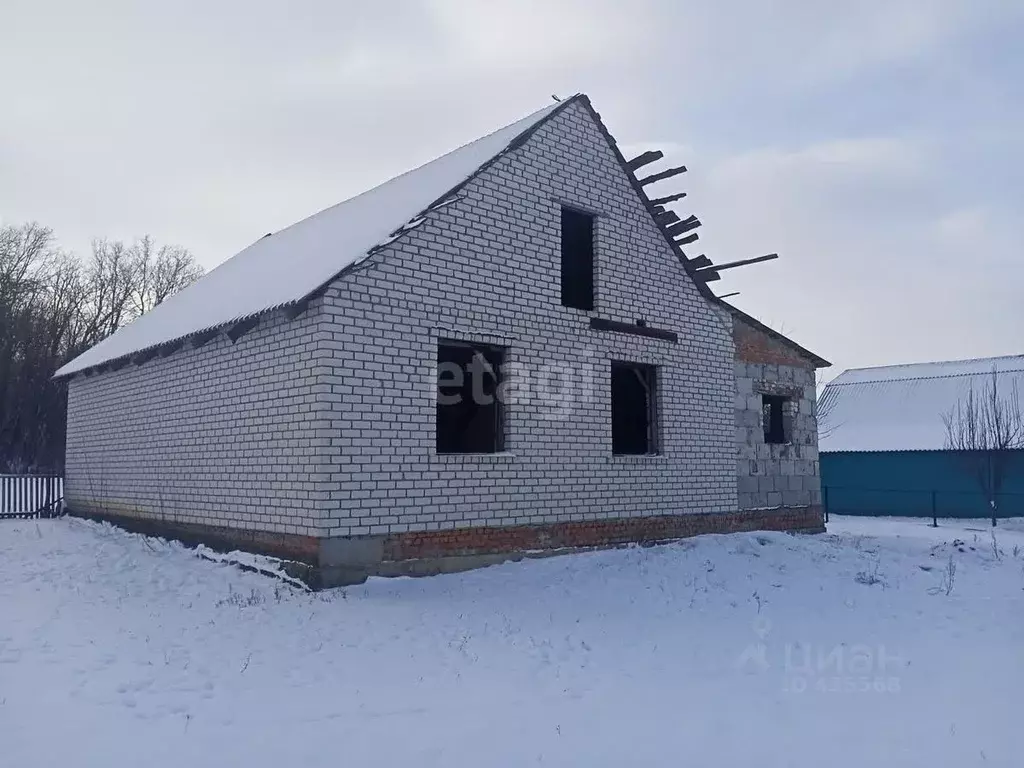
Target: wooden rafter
[
  {"x": 643, "y": 159},
  {"x": 741, "y": 263},
  {"x": 684, "y": 226},
  {"x": 669, "y": 199},
  {"x": 667, "y": 174}
]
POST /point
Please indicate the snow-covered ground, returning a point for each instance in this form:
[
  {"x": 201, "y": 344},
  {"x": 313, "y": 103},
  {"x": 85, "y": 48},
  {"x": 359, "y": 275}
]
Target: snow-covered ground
[{"x": 854, "y": 648}]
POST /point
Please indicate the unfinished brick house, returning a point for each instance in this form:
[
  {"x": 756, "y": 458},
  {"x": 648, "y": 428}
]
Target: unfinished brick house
[{"x": 503, "y": 350}]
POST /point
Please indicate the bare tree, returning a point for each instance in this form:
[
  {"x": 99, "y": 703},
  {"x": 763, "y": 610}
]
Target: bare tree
[
  {"x": 24, "y": 252},
  {"x": 52, "y": 307},
  {"x": 21, "y": 250},
  {"x": 983, "y": 428},
  {"x": 825, "y": 404},
  {"x": 159, "y": 273},
  {"x": 111, "y": 281}
]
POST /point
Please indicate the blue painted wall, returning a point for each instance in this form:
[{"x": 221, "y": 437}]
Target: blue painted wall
[{"x": 902, "y": 482}]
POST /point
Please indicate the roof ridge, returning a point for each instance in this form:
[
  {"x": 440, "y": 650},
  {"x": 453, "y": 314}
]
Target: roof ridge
[
  {"x": 934, "y": 362},
  {"x": 917, "y": 378}
]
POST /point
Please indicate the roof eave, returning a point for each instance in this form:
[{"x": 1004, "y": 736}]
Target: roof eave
[
  {"x": 514, "y": 143},
  {"x": 177, "y": 340}
]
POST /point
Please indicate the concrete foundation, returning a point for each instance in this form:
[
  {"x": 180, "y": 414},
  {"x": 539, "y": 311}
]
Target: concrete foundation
[{"x": 339, "y": 561}]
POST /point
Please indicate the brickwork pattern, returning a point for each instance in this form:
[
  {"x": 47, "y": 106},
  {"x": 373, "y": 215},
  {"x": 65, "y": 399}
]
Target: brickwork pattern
[
  {"x": 480, "y": 541},
  {"x": 755, "y": 346},
  {"x": 487, "y": 269},
  {"x": 324, "y": 425},
  {"x": 224, "y": 435},
  {"x": 774, "y": 475}
]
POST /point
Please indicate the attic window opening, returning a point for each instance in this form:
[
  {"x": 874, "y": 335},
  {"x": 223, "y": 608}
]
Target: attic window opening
[
  {"x": 469, "y": 411},
  {"x": 774, "y": 418},
  {"x": 577, "y": 259},
  {"x": 634, "y": 409}
]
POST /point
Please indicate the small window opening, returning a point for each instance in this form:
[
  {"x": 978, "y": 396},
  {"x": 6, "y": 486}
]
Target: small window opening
[
  {"x": 774, "y": 418},
  {"x": 634, "y": 409},
  {"x": 469, "y": 410},
  {"x": 577, "y": 259}
]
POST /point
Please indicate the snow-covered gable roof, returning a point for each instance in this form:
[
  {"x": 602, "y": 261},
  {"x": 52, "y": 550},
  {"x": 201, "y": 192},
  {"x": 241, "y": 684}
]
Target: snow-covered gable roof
[
  {"x": 286, "y": 267},
  {"x": 900, "y": 407}
]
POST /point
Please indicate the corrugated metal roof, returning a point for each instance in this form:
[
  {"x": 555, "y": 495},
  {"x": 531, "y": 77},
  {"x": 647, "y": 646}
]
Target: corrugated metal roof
[
  {"x": 900, "y": 407},
  {"x": 287, "y": 266}
]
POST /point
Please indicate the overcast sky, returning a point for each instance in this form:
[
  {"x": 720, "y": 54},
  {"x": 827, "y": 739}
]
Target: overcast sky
[{"x": 877, "y": 146}]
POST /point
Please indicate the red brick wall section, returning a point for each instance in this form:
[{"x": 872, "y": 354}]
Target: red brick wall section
[
  {"x": 601, "y": 533},
  {"x": 756, "y": 346},
  {"x": 422, "y": 545}
]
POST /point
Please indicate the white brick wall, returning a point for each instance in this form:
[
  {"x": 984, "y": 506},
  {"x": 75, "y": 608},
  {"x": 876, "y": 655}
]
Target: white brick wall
[
  {"x": 221, "y": 435},
  {"x": 487, "y": 269},
  {"x": 325, "y": 425}
]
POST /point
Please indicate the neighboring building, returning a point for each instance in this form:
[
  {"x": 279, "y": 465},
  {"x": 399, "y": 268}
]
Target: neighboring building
[
  {"x": 884, "y": 442},
  {"x": 328, "y": 394}
]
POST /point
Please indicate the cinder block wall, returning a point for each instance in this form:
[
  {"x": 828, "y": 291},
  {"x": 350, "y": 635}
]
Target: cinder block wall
[
  {"x": 224, "y": 435},
  {"x": 487, "y": 269},
  {"x": 782, "y": 475}
]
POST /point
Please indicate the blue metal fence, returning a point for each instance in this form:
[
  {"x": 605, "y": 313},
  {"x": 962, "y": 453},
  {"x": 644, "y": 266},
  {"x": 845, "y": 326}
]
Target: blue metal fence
[
  {"x": 926, "y": 502},
  {"x": 918, "y": 484}
]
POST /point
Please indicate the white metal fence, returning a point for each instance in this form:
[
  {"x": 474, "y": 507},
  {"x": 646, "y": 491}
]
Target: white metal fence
[{"x": 31, "y": 495}]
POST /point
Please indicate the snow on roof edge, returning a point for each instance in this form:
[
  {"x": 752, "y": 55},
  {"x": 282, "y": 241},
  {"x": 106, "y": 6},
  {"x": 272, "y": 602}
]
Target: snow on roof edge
[
  {"x": 904, "y": 413},
  {"x": 503, "y": 139},
  {"x": 927, "y": 370}
]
